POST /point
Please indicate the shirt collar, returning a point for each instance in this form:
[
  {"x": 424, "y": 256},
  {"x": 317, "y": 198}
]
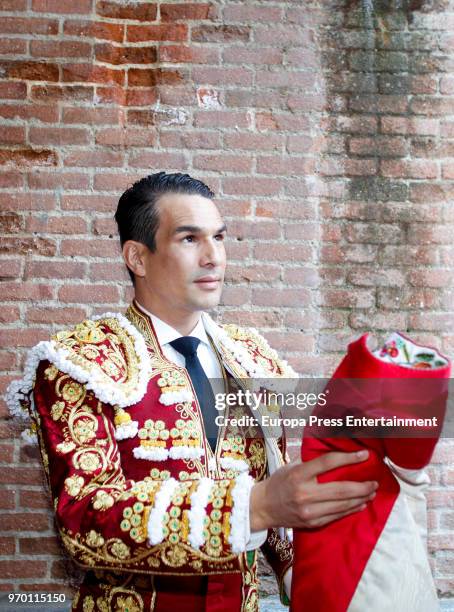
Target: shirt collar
[{"x": 165, "y": 333}]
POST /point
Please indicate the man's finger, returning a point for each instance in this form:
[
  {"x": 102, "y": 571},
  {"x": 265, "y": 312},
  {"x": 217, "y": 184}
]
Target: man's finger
[
  {"x": 345, "y": 489},
  {"x": 329, "y": 518},
  {"x": 319, "y": 510},
  {"x": 333, "y": 460}
]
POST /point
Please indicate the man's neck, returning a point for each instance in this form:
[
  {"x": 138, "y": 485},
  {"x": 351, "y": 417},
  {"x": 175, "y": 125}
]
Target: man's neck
[{"x": 183, "y": 322}]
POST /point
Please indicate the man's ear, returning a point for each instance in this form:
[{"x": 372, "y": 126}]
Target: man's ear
[{"x": 133, "y": 254}]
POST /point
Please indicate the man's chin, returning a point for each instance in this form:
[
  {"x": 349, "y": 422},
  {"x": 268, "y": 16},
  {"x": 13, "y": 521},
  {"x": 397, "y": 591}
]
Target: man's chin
[{"x": 208, "y": 301}]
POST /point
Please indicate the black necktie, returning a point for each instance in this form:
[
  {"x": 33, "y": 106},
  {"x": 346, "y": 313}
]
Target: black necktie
[{"x": 187, "y": 346}]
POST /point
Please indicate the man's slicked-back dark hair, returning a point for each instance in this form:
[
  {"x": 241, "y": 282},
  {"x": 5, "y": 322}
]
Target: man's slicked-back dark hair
[{"x": 137, "y": 215}]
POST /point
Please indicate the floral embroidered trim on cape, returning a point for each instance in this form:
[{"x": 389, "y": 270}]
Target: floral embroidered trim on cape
[{"x": 105, "y": 389}]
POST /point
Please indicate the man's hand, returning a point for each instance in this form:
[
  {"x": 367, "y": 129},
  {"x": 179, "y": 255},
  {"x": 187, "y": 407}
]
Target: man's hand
[{"x": 292, "y": 496}]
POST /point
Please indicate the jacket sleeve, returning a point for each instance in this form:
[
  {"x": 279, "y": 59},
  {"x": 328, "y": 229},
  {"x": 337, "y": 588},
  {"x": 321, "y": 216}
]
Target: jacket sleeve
[
  {"x": 109, "y": 522},
  {"x": 278, "y": 548}
]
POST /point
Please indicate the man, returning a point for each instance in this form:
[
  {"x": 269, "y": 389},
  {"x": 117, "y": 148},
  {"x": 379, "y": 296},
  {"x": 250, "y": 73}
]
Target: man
[{"x": 163, "y": 509}]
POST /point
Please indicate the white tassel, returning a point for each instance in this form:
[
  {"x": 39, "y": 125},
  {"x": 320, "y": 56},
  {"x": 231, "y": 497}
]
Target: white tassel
[
  {"x": 199, "y": 501},
  {"x": 155, "y": 519},
  {"x": 239, "y": 519}
]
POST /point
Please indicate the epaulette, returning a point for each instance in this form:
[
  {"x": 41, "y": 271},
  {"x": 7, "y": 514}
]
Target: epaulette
[
  {"x": 255, "y": 352},
  {"x": 105, "y": 353}
]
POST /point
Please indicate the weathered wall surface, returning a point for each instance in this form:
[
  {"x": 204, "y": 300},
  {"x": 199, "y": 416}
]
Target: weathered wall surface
[{"x": 325, "y": 127}]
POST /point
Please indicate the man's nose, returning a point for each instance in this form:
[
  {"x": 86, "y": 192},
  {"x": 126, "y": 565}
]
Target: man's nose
[{"x": 212, "y": 254}]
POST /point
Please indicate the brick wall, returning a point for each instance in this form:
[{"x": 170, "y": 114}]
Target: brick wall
[{"x": 326, "y": 129}]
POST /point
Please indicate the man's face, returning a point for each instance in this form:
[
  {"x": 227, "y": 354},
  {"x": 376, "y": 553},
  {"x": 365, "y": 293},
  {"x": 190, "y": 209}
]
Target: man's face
[{"x": 186, "y": 271}]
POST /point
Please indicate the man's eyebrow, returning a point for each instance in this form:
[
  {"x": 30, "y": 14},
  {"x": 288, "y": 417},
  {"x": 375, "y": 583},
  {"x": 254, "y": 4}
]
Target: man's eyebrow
[{"x": 195, "y": 229}]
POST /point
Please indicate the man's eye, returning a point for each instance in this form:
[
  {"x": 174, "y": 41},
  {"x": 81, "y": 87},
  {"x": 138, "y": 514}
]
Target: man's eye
[
  {"x": 188, "y": 239},
  {"x": 219, "y": 237}
]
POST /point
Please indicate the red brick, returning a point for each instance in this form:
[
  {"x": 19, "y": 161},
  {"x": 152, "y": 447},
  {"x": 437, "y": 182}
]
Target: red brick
[
  {"x": 60, "y": 48},
  {"x": 28, "y": 25},
  {"x": 20, "y": 337},
  {"x": 26, "y": 291},
  {"x": 35, "y": 245},
  {"x": 126, "y": 137},
  {"x": 7, "y": 546},
  {"x": 62, "y": 6},
  {"x": 218, "y": 76},
  {"x": 26, "y": 201},
  {"x": 255, "y": 273},
  {"x": 409, "y": 168},
  {"x": 343, "y": 298},
  {"x": 197, "y": 140},
  {"x": 13, "y": 90},
  {"x": 283, "y": 297},
  {"x": 142, "y": 97},
  {"x": 22, "y": 475},
  {"x": 259, "y": 14},
  {"x": 221, "y": 33},
  {"x": 282, "y": 252},
  {"x": 183, "y": 54},
  {"x": 113, "y": 182},
  {"x": 112, "y": 95},
  {"x": 13, "y": 46},
  {"x": 29, "y": 569},
  {"x": 306, "y": 277},
  {"x": 167, "y": 32},
  {"x": 28, "y": 157},
  {"x": 139, "y": 11},
  {"x": 13, "y": 5},
  {"x": 406, "y": 299},
  {"x": 34, "y": 499},
  {"x": 89, "y": 294},
  {"x": 59, "y": 136},
  {"x": 97, "y": 159},
  {"x": 96, "y": 203},
  {"x": 236, "y": 296},
  {"x": 284, "y": 165},
  {"x": 410, "y": 125},
  {"x": 11, "y": 179},
  {"x": 95, "y": 29},
  {"x": 8, "y": 360},
  {"x": 43, "y": 113},
  {"x": 187, "y": 11},
  {"x": 437, "y": 322},
  {"x": 110, "y": 54},
  {"x": 223, "y": 162},
  {"x": 58, "y": 180},
  {"x": 139, "y": 77},
  {"x": 111, "y": 271},
  {"x": 10, "y": 268},
  {"x": 103, "y": 226},
  {"x": 259, "y": 142},
  {"x": 90, "y": 247},
  {"x": 92, "y": 116},
  {"x": 222, "y": 119},
  {"x": 383, "y": 146},
  {"x": 30, "y": 71},
  {"x": 251, "y": 186},
  {"x": 26, "y": 521},
  {"x": 56, "y": 93},
  {"x": 54, "y": 269},
  {"x": 13, "y": 135},
  {"x": 89, "y": 73},
  {"x": 157, "y": 159},
  {"x": 61, "y": 316},
  {"x": 6, "y": 453},
  {"x": 39, "y": 546}
]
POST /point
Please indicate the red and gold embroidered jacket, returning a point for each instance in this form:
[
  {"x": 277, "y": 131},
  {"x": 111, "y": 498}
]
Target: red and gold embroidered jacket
[{"x": 135, "y": 486}]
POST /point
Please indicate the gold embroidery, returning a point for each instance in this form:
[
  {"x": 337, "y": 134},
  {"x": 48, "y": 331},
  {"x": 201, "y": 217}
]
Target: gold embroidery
[
  {"x": 73, "y": 485},
  {"x": 72, "y": 392}
]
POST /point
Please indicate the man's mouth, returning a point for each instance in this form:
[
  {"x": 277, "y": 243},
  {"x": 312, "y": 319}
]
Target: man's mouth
[{"x": 208, "y": 282}]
